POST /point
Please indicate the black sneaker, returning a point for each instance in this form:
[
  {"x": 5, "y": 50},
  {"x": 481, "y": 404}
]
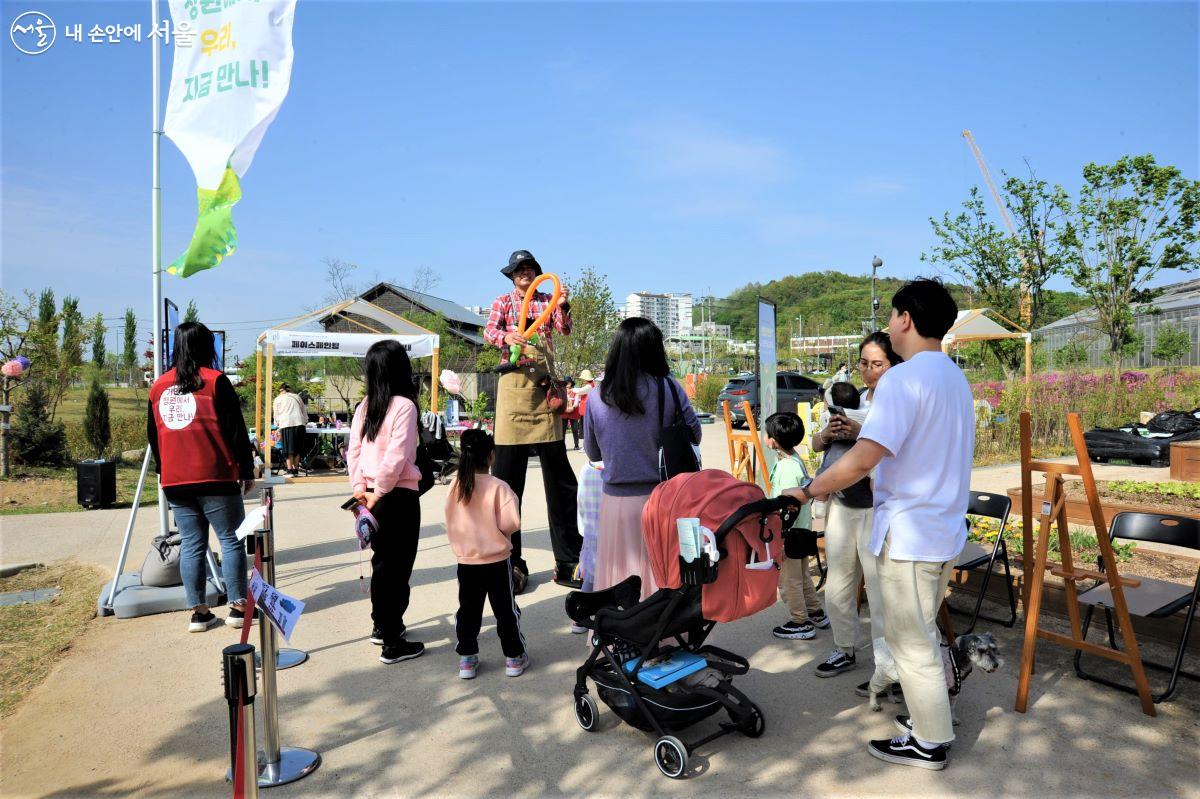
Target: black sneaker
[
  {"x": 904, "y": 724},
  {"x": 201, "y": 621},
  {"x": 237, "y": 617},
  {"x": 377, "y": 635},
  {"x": 402, "y": 650},
  {"x": 819, "y": 619},
  {"x": 837, "y": 662},
  {"x": 795, "y": 630},
  {"x": 567, "y": 575},
  {"x": 520, "y": 580},
  {"x": 864, "y": 689},
  {"x": 905, "y": 751}
]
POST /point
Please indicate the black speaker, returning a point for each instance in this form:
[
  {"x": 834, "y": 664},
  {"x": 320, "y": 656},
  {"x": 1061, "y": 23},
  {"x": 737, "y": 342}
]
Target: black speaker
[{"x": 96, "y": 484}]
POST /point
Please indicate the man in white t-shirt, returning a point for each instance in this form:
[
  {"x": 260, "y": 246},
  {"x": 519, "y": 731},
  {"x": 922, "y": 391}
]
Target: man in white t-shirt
[{"x": 920, "y": 432}]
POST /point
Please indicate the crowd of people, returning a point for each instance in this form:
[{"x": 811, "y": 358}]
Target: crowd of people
[{"x": 892, "y": 487}]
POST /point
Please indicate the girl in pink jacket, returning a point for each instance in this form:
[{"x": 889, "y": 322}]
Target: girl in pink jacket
[
  {"x": 482, "y": 513},
  {"x": 382, "y": 461}
]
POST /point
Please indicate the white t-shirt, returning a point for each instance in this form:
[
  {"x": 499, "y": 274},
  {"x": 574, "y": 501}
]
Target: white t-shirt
[{"x": 923, "y": 414}]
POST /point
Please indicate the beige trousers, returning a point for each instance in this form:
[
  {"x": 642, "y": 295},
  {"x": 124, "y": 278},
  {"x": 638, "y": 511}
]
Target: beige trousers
[
  {"x": 797, "y": 591},
  {"x": 848, "y": 560},
  {"x": 912, "y": 593}
]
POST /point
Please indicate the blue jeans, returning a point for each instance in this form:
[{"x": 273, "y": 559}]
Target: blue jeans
[{"x": 193, "y": 516}]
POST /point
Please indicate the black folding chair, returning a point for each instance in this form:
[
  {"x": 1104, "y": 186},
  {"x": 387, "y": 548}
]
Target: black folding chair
[
  {"x": 977, "y": 556},
  {"x": 1155, "y": 599}
]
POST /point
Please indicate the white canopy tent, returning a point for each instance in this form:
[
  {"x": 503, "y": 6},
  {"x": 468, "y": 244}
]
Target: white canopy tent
[
  {"x": 288, "y": 339},
  {"x": 975, "y": 325}
]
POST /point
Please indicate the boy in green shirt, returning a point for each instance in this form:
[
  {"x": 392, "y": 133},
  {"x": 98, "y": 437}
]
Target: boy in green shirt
[{"x": 785, "y": 431}]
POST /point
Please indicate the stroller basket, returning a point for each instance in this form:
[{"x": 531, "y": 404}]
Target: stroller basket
[{"x": 674, "y": 710}]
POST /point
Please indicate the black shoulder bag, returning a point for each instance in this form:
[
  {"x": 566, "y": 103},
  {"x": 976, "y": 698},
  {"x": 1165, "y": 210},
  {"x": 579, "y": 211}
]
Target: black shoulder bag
[{"x": 675, "y": 452}]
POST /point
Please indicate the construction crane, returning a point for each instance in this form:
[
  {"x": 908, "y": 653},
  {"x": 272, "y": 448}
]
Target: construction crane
[{"x": 1026, "y": 300}]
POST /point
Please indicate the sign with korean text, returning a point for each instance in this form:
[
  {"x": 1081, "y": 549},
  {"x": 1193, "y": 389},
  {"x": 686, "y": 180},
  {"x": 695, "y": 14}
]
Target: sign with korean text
[
  {"x": 346, "y": 345},
  {"x": 226, "y": 89},
  {"x": 277, "y": 607}
]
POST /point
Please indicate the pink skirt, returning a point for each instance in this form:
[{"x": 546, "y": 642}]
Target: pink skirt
[{"x": 620, "y": 548}]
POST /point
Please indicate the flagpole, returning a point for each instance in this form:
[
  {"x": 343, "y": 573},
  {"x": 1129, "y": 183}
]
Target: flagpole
[{"x": 156, "y": 224}]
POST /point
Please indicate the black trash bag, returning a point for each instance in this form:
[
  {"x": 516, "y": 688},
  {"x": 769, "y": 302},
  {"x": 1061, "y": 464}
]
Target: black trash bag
[{"x": 1174, "y": 422}]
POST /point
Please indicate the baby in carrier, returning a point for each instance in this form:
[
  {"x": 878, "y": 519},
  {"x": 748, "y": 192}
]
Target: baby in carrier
[{"x": 843, "y": 399}]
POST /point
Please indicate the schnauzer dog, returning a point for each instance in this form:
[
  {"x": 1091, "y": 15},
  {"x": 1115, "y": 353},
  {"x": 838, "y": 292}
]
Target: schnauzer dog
[{"x": 968, "y": 651}]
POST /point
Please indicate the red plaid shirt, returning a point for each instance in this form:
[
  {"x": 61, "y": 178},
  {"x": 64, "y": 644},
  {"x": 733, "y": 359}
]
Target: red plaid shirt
[{"x": 506, "y": 313}]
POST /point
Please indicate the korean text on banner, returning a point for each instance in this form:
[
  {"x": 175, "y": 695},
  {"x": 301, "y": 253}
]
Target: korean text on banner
[{"x": 226, "y": 89}]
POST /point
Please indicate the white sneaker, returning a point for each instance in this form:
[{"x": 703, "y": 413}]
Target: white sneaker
[{"x": 577, "y": 630}]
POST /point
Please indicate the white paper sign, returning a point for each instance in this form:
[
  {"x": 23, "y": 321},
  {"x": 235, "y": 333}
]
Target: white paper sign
[
  {"x": 254, "y": 519},
  {"x": 280, "y": 609}
]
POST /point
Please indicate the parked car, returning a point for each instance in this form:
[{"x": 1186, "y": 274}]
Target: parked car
[{"x": 791, "y": 388}]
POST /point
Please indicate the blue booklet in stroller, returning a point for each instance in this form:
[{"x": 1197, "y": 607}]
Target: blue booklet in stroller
[{"x": 661, "y": 673}]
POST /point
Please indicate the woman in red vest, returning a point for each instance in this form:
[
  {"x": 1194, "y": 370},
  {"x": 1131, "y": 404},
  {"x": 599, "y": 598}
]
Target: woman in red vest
[{"x": 205, "y": 463}]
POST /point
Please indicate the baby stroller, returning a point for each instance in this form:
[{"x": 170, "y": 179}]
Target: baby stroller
[
  {"x": 438, "y": 446},
  {"x": 639, "y": 649}
]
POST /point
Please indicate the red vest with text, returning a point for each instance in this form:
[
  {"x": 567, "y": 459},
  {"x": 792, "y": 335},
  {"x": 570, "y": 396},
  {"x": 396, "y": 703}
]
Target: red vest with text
[{"x": 191, "y": 447}]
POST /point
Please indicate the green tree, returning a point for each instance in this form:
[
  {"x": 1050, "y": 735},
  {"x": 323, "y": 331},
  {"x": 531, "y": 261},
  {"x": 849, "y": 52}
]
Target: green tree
[
  {"x": 96, "y": 428},
  {"x": 18, "y": 322},
  {"x": 1071, "y": 355},
  {"x": 43, "y": 340},
  {"x": 99, "y": 351},
  {"x": 38, "y": 440},
  {"x": 129, "y": 354},
  {"x": 1171, "y": 344},
  {"x": 192, "y": 314},
  {"x": 70, "y": 352},
  {"x": 1038, "y": 211},
  {"x": 593, "y": 320},
  {"x": 1134, "y": 219}
]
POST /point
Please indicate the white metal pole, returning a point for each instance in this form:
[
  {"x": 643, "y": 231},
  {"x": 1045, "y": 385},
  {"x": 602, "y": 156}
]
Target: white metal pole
[{"x": 156, "y": 225}]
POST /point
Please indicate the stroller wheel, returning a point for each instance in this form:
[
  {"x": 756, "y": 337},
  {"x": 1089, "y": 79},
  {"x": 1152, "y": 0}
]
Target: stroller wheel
[
  {"x": 586, "y": 712},
  {"x": 756, "y": 725},
  {"x": 671, "y": 756}
]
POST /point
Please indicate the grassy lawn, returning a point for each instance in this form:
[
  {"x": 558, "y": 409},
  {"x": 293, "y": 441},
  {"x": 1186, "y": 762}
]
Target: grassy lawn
[
  {"x": 121, "y": 402},
  {"x": 34, "y": 636},
  {"x": 41, "y": 489}
]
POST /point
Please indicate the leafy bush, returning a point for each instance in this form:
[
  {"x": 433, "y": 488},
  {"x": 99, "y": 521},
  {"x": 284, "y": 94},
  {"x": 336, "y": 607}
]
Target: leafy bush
[
  {"x": 96, "y": 427},
  {"x": 36, "y": 439},
  {"x": 127, "y": 433},
  {"x": 1100, "y": 399},
  {"x": 1185, "y": 490},
  {"x": 1084, "y": 545},
  {"x": 708, "y": 387}
]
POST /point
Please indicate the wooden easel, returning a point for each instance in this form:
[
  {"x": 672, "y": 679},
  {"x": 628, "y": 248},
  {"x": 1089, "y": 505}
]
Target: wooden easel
[
  {"x": 1054, "y": 511},
  {"x": 746, "y": 457}
]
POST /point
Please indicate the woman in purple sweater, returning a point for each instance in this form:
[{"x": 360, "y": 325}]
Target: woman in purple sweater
[{"x": 622, "y": 427}]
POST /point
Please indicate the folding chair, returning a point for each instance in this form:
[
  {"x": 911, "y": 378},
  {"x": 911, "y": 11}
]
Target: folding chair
[
  {"x": 1154, "y": 599},
  {"x": 976, "y": 556}
]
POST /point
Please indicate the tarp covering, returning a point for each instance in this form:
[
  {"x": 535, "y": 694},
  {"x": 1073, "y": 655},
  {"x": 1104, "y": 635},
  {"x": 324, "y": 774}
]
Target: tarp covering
[{"x": 974, "y": 324}]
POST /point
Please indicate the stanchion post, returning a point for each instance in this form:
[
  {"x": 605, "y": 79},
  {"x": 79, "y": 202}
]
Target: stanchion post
[
  {"x": 265, "y": 539},
  {"x": 281, "y": 764},
  {"x": 238, "y": 662}
]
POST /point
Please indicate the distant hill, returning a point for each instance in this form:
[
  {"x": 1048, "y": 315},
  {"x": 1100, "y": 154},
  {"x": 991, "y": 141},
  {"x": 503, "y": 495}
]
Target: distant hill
[{"x": 835, "y": 303}]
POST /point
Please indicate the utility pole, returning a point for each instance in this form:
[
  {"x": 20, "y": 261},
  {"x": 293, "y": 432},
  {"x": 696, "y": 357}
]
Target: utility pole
[{"x": 876, "y": 262}]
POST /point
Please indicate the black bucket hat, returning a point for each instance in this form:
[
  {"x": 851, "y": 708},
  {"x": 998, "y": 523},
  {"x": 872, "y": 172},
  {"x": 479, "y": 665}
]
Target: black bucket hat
[{"x": 518, "y": 259}]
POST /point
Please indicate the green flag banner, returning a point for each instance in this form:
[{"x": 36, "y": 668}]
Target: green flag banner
[{"x": 228, "y": 82}]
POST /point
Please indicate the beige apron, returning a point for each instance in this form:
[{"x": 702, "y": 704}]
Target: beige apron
[{"x": 522, "y": 413}]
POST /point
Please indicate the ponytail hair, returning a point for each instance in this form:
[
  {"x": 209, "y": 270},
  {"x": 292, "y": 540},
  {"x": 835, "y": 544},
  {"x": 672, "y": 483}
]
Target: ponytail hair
[{"x": 475, "y": 447}]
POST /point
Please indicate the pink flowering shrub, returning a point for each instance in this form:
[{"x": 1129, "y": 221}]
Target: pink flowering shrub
[{"x": 1100, "y": 399}]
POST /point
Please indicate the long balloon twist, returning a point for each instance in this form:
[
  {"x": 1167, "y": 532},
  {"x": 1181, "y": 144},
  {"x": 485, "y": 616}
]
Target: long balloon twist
[{"x": 543, "y": 318}]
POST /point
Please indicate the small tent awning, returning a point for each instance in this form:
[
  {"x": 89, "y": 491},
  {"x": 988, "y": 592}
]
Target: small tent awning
[
  {"x": 975, "y": 325},
  {"x": 345, "y": 345},
  {"x": 290, "y": 338}
]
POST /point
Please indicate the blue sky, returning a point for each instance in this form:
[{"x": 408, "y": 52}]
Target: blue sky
[{"x": 675, "y": 147}]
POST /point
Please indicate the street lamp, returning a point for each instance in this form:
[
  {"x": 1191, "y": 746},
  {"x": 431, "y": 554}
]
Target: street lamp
[{"x": 876, "y": 262}]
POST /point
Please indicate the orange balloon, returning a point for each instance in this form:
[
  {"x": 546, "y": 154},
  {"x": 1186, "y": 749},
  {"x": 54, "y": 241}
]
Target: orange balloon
[{"x": 545, "y": 315}]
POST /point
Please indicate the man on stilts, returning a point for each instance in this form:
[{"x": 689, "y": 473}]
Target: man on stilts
[{"x": 525, "y": 424}]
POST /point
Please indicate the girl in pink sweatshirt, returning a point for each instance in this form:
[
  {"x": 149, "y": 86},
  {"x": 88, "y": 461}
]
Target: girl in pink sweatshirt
[
  {"x": 482, "y": 513},
  {"x": 382, "y": 461}
]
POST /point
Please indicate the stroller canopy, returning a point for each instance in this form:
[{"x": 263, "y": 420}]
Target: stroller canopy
[{"x": 713, "y": 496}]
